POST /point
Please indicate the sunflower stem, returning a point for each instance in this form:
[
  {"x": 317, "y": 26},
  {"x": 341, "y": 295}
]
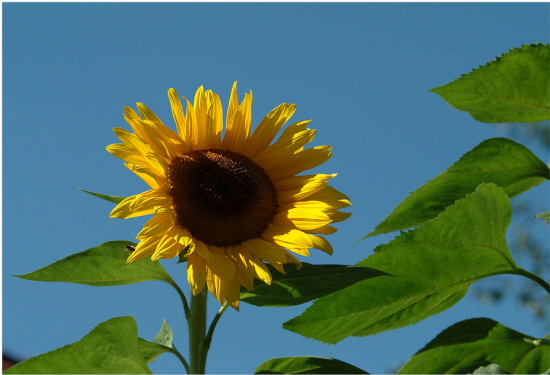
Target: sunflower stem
[{"x": 197, "y": 333}]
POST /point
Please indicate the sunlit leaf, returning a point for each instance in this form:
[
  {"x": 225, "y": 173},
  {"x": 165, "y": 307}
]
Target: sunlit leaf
[
  {"x": 470, "y": 341},
  {"x": 307, "y": 365},
  {"x": 103, "y": 265},
  {"x": 513, "y": 88},
  {"x": 433, "y": 267},
  {"x": 305, "y": 284},
  {"x": 110, "y": 348},
  {"x": 110, "y": 198},
  {"x": 498, "y": 160}
]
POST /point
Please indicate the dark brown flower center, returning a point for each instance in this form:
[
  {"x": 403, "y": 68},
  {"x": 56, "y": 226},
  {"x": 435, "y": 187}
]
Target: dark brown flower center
[{"x": 223, "y": 198}]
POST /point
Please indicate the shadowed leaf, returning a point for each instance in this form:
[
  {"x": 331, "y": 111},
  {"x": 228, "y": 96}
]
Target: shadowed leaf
[
  {"x": 307, "y": 365},
  {"x": 305, "y": 284},
  {"x": 464, "y": 344}
]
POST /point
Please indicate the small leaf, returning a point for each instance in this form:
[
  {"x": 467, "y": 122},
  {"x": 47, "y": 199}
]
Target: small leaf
[
  {"x": 110, "y": 198},
  {"x": 307, "y": 365},
  {"x": 165, "y": 335},
  {"x": 103, "y": 265},
  {"x": 545, "y": 216},
  {"x": 514, "y": 88},
  {"x": 480, "y": 339},
  {"x": 305, "y": 284},
  {"x": 498, "y": 160},
  {"x": 433, "y": 266},
  {"x": 181, "y": 256},
  {"x": 483, "y": 367},
  {"x": 110, "y": 348}
]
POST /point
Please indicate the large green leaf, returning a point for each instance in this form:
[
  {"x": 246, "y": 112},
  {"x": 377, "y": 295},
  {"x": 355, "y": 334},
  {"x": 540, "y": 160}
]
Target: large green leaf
[
  {"x": 305, "y": 284},
  {"x": 498, "y": 160},
  {"x": 470, "y": 341},
  {"x": 514, "y": 88},
  {"x": 433, "y": 266},
  {"x": 307, "y": 365},
  {"x": 110, "y": 348},
  {"x": 103, "y": 265}
]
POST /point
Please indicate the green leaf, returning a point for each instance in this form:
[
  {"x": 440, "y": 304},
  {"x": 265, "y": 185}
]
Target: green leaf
[
  {"x": 545, "y": 216},
  {"x": 498, "y": 160},
  {"x": 514, "y": 88},
  {"x": 162, "y": 343},
  {"x": 110, "y": 348},
  {"x": 110, "y": 198},
  {"x": 165, "y": 336},
  {"x": 305, "y": 284},
  {"x": 433, "y": 266},
  {"x": 480, "y": 339},
  {"x": 483, "y": 367},
  {"x": 103, "y": 265},
  {"x": 307, "y": 365}
]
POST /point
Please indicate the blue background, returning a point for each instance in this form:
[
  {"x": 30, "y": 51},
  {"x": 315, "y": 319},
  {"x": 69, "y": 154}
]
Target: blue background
[{"x": 362, "y": 71}]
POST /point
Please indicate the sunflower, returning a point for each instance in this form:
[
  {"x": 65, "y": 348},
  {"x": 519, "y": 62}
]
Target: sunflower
[{"x": 232, "y": 202}]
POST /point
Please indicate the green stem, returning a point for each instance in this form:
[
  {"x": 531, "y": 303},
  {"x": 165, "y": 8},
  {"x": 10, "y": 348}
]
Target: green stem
[
  {"x": 536, "y": 279},
  {"x": 208, "y": 339},
  {"x": 181, "y": 358},
  {"x": 183, "y": 300},
  {"x": 197, "y": 332}
]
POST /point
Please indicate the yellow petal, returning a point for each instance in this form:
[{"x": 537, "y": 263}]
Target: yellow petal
[
  {"x": 222, "y": 265},
  {"x": 305, "y": 219},
  {"x": 238, "y": 126},
  {"x": 167, "y": 248},
  {"x": 150, "y": 175},
  {"x": 244, "y": 272},
  {"x": 283, "y": 148},
  {"x": 268, "y": 128},
  {"x": 287, "y": 238},
  {"x": 158, "y": 224},
  {"x": 321, "y": 243},
  {"x": 127, "y": 153},
  {"x": 302, "y": 161},
  {"x": 196, "y": 272},
  {"x": 200, "y": 248},
  {"x": 140, "y": 204},
  {"x": 143, "y": 249},
  {"x": 265, "y": 250},
  {"x": 261, "y": 271},
  {"x": 177, "y": 113}
]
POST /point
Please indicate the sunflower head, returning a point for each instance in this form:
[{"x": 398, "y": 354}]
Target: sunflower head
[{"x": 234, "y": 202}]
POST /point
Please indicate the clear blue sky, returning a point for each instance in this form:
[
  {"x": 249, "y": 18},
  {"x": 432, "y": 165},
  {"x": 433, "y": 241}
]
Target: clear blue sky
[{"x": 361, "y": 71}]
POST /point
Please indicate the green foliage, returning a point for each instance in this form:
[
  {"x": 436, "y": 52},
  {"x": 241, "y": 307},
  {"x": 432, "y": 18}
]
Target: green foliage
[
  {"x": 545, "y": 216},
  {"x": 499, "y": 160},
  {"x": 461, "y": 216},
  {"x": 110, "y": 198},
  {"x": 514, "y": 88},
  {"x": 433, "y": 266},
  {"x": 483, "y": 367},
  {"x": 162, "y": 343},
  {"x": 470, "y": 341},
  {"x": 103, "y": 265},
  {"x": 307, "y": 365},
  {"x": 110, "y": 348},
  {"x": 309, "y": 282}
]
